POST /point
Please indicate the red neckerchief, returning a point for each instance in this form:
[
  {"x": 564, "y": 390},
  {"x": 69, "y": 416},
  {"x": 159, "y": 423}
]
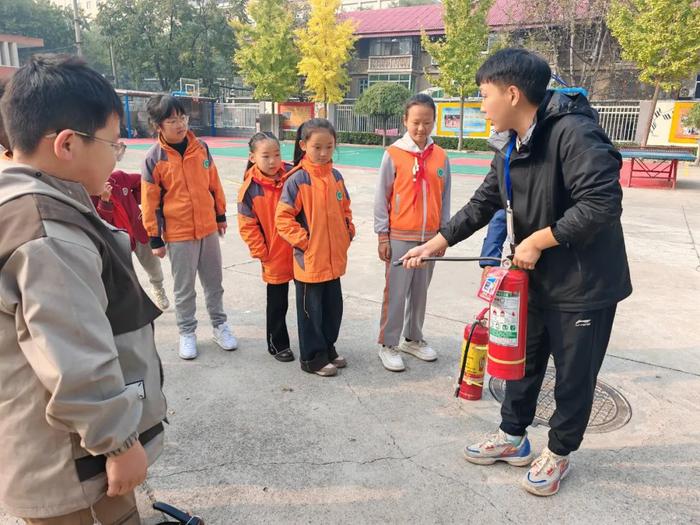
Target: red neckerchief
[{"x": 419, "y": 174}]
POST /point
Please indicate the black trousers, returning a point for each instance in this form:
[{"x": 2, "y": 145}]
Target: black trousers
[
  {"x": 319, "y": 314},
  {"x": 277, "y": 305},
  {"x": 578, "y": 342}
]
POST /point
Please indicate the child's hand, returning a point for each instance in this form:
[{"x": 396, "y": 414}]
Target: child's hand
[
  {"x": 159, "y": 252},
  {"x": 126, "y": 471},
  {"x": 107, "y": 192},
  {"x": 221, "y": 226},
  {"x": 384, "y": 250}
]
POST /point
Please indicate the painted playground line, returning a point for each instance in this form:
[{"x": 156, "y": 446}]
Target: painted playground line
[
  {"x": 469, "y": 164},
  {"x": 353, "y": 156}
]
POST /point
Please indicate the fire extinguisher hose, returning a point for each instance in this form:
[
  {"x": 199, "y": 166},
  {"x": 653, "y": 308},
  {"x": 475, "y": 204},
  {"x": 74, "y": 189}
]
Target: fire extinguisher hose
[
  {"x": 454, "y": 259},
  {"x": 463, "y": 366}
]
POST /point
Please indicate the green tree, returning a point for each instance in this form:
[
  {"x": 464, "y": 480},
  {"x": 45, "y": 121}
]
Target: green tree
[
  {"x": 459, "y": 52},
  {"x": 267, "y": 57},
  {"x": 692, "y": 119},
  {"x": 325, "y": 46},
  {"x": 38, "y": 19},
  {"x": 383, "y": 100},
  {"x": 169, "y": 39},
  {"x": 662, "y": 37}
]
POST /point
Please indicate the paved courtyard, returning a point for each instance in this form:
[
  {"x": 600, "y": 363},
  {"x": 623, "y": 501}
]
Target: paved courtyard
[{"x": 255, "y": 441}]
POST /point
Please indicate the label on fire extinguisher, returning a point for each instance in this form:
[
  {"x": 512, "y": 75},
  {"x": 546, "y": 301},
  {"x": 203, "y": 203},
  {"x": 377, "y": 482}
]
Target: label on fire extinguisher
[
  {"x": 504, "y": 317},
  {"x": 491, "y": 283}
]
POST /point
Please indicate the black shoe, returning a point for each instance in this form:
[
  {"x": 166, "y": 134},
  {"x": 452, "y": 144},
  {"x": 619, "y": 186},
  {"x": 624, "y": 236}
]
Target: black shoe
[{"x": 284, "y": 355}]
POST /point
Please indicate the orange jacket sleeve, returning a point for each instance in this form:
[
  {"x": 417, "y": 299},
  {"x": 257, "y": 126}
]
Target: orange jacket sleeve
[
  {"x": 216, "y": 188},
  {"x": 249, "y": 225},
  {"x": 286, "y": 222},
  {"x": 151, "y": 199},
  {"x": 348, "y": 213}
]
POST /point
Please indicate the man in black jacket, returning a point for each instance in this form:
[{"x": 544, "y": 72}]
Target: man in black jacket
[{"x": 557, "y": 175}]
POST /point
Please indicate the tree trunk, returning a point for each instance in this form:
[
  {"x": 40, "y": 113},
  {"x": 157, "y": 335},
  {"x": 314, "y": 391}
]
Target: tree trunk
[
  {"x": 460, "y": 141},
  {"x": 385, "y": 124},
  {"x": 647, "y": 128},
  {"x": 697, "y": 155}
]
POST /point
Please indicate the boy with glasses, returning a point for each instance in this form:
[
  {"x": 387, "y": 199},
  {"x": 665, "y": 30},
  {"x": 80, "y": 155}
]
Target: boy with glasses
[
  {"x": 184, "y": 208},
  {"x": 81, "y": 406}
]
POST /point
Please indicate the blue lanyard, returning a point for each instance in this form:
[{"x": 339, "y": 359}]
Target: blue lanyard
[{"x": 506, "y": 171}]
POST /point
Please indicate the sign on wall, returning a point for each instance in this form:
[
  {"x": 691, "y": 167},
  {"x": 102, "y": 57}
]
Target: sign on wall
[
  {"x": 681, "y": 132},
  {"x": 475, "y": 123},
  {"x": 667, "y": 128},
  {"x": 296, "y": 113}
]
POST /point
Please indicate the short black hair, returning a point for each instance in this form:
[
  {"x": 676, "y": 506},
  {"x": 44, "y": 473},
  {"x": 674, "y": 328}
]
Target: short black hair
[
  {"x": 55, "y": 92},
  {"x": 4, "y": 141},
  {"x": 305, "y": 131},
  {"x": 161, "y": 107},
  {"x": 521, "y": 68},
  {"x": 421, "y": 99}
]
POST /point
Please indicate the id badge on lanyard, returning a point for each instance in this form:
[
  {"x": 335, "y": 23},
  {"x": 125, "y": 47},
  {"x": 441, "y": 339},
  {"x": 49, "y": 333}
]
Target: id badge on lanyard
[{"x": 510, "y": 231}]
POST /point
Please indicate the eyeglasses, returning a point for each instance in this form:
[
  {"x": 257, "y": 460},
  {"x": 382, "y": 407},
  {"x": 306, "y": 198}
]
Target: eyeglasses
[
  {"x": 117, "y": 147},
  {"x": 182, "y": 119}
]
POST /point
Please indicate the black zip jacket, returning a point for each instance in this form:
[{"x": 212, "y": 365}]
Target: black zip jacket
[{"x": 568, "y": 177}]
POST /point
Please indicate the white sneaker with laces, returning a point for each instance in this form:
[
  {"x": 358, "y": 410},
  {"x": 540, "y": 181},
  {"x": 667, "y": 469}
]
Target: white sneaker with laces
[
  {"x": 223, "y": 336},
  {"x": 419, "y": 349},
  {"x": 500, "y": 447},
  {"x": 391, "y": 358},
  {"x": 545, "y": 474},
  {"x": 188, "y": 346},
  {"x": 160, "y": 298}
]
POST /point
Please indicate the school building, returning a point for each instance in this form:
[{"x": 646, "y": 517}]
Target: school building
[
  {"x": 9, "y": 51},
  {"x": 389, "y": 48}
]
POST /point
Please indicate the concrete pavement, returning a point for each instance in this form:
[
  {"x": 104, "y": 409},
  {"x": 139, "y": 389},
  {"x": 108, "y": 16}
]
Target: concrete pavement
[{"x": 254, "y": 441}]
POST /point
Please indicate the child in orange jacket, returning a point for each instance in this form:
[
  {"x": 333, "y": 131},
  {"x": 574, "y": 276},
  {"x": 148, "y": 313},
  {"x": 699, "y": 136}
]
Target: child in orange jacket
[
  {"x": 412, "y": 202},
  {"x": 184, "y": 207},
  {"x": 314, "y": 216},
  {"x": 257, "y": 201}
]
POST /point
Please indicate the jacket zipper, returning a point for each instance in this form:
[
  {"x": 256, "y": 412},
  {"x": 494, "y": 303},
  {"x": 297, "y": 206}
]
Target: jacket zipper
[{"x": 425, "y": 212}]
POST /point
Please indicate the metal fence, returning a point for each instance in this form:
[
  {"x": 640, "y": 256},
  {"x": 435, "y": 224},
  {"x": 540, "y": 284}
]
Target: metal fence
[
  {"x": 242, "y": 116},
  {"x": 347, "y": 120},
  {"x": 619, "y": 121}
]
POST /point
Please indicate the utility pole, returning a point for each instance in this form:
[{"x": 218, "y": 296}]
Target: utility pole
[
  {"x": 76, "y": 25},
  {"x": 114, "y": 64}
]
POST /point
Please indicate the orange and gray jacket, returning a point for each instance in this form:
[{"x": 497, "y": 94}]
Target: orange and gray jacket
[
  {"x": 314, "y": 216},
  {"x": 403, "y": 209},
  {"x": 80, "y": 374},
  {"x": 257, "y": 204},
  {"x": 181, "y": 195}
]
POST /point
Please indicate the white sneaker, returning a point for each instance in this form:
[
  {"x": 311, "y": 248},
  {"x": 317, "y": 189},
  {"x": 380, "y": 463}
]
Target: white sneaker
[
  {"x": 188, "y": 346},
  {"x": 223, "y": 336},
  {"x": 160, "y": 298},
  {"x": 419, "y": 349},
  {"x": 391, "y": 359}
]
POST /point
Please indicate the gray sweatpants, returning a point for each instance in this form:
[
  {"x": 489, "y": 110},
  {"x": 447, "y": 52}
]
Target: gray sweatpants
[
  {"x": 150, "y": 263},
  {"x": 405, "y": 298},
  {"x": 187, "y": 259}
]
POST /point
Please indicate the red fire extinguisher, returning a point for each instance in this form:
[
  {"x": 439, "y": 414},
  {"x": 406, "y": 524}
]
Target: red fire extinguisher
[
  {"x": 508, "y": 326},
  {"x": 474, "y": 350}
]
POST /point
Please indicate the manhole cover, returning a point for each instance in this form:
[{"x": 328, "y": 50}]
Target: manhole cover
[{"x": 610, "y": 409}]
